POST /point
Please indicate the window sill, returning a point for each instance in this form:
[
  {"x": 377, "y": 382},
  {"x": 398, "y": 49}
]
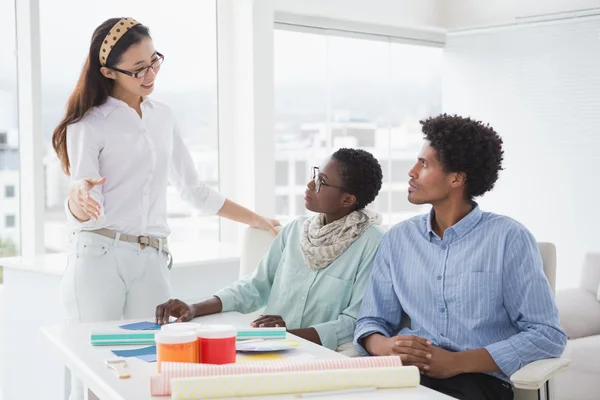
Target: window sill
[{"x": 185, "y": 255}]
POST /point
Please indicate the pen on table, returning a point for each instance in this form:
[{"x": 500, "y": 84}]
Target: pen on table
[{"x": 335, "y": 392}]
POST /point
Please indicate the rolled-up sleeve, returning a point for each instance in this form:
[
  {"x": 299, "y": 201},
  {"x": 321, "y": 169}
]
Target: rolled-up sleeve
[
  {"x": 530, "y": 304},
  {"x": 184, "y": 176},
  {"x": 339, "y": 331},
  {"x": 83, "y": 149},
  {"x": 381, "y": 310}
]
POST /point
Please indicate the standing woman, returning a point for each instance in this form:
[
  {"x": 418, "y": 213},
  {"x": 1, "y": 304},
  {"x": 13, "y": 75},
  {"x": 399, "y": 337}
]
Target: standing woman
[{"x": 121, "y": 150}]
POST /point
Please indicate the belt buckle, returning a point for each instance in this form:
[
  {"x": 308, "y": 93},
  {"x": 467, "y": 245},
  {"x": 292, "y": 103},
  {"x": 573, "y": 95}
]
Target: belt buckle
[{"x": 143, "y": 241}]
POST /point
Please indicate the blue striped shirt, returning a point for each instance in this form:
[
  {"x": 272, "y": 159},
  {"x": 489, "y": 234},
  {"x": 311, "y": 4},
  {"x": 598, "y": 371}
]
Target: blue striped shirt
[{"x": 481, "y": 286}]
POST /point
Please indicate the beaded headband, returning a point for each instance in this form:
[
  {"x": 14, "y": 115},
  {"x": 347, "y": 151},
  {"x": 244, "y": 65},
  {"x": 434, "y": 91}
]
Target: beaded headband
[{"x": 113, "y": 36}]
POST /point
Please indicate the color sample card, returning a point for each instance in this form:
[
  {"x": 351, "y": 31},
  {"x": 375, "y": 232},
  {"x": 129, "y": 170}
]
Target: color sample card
[
  {"x": 144, "y": 351},
  {"x": 141, "y": 326}
]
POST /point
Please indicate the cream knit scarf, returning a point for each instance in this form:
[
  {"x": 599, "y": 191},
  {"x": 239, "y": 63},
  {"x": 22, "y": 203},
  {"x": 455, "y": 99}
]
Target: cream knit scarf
[{"x": 321, "y": 244}]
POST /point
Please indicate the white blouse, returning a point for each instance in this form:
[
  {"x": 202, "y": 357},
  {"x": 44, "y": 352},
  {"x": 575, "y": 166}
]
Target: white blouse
[{"x": 138, "y": 157}]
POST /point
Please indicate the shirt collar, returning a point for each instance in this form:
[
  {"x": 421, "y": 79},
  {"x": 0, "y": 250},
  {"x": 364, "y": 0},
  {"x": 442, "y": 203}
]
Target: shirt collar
[
  {"x": 462, "y": 227},
  {"x": 111, "y": 104}
]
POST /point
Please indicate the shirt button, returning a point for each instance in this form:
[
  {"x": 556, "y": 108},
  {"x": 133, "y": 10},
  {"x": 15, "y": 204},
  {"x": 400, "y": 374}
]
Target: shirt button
[
  {"x": 442, "y": 310},
  {"x": 439, "y": 278},
  {"x": 444, "y": 247},
  {"x": 303, "y": 297}
]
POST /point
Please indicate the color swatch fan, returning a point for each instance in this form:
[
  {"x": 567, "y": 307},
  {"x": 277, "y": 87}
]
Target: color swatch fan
[{"x": 267, "y": 345}]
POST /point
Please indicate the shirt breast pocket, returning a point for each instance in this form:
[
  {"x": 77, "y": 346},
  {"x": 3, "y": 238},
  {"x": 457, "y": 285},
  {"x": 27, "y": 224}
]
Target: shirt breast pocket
[
  {"x": 478, "y": 294},
  {"x": 337, "y": 292}
]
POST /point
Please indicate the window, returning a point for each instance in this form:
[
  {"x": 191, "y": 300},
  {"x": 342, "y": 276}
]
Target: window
[
  {"x": 9, "y": 221},
  {"x": 9, "y": 191},
  {"x": 9, "y": 133},
  {"x": 303, "y": 173},
  {"x": 300, "y": 114},
  {"x": 282, "y": 205},
  {"x": 187, "y": 83},
  {"x": 335, "y": 91},
  {"x": 281, "y": 173}
]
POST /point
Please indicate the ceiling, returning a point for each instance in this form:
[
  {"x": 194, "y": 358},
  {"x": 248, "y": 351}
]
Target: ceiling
[{"x": 439, "y": 14}]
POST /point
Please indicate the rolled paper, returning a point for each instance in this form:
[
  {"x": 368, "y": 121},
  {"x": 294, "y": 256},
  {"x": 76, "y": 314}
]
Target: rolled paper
[
  {"x": 262, "y": 333},
  {"x": 121, "y": 337},
  {"x": 161, "y": 385},
  {"x": 211, "y": 387}
]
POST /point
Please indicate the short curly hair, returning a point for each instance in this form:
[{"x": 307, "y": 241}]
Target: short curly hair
[
  {"x": 469, "y": 146},
  {"x": 360, "y": 173}
]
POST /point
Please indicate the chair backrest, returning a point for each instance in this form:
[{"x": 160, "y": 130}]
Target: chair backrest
[
  {"x": 590, "y": 275},
  {"x": 548, "y": 252},
  {"x": 255, "y": 244}
]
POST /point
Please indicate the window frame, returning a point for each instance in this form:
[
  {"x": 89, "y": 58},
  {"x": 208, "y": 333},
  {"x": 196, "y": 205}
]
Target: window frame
[
  {"x": 355, "y": 30},
  {"x": 239, "y": 24}
]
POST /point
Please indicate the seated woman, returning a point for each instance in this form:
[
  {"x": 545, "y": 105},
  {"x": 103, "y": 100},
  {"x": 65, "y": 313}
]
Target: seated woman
[{"x": 312, "y": 278}]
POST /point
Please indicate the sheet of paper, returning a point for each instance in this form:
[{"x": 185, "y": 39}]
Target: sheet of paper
[
  {"x": 147, "y": 357},
  {"x": 141, "y": 326},
  {"x": 144, "y": 351}
]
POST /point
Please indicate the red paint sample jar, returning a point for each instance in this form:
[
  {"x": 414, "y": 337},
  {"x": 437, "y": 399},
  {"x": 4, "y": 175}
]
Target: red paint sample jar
[{"x": 217, "y": 344}]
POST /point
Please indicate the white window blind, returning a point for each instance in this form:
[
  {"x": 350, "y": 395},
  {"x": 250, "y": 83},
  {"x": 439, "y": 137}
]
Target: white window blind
[{"x": 539, "y": 86}]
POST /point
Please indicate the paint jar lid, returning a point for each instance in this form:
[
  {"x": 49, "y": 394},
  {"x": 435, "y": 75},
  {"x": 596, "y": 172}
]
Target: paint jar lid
[
  {"x": 181, "y": 327},
  {"x": 175, "y": 337},
  {"x": 216, "y": 331}
]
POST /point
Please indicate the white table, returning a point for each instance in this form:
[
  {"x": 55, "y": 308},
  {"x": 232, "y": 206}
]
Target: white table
[
  {"x": 72, "y": 344},
  {"x": 29, "y": 301}
]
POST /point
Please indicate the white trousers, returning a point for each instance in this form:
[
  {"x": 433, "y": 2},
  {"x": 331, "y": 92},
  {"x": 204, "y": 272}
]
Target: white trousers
[{"x": 107, "y": 279}]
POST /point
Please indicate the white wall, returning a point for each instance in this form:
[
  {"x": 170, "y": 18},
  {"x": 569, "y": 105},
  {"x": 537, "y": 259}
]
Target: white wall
[
  {"x": 457, "y": 14},
  {"x": 539, "y": 86},
  {"x": 398, "y": 13}
]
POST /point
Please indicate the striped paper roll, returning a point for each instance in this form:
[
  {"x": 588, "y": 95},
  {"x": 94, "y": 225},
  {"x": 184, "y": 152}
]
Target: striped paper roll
[
  {"x": 161, "y": 385},
  {"x": 121, "y": 337},
  {"x": 211, "y": 387},
  {"x": 124, "y": 337},
  {"x": 262, "y": 333}
]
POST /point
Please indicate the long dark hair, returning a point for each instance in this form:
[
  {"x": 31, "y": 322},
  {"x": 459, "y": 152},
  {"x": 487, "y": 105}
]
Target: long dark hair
[{"x": 93, "y": 88}]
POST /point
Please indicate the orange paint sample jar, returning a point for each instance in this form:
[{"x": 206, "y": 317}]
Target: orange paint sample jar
[
  {"x": 176, "y": 347},
  {"x": 217, "y": 344},
  {"x": 190, "y": 327}
]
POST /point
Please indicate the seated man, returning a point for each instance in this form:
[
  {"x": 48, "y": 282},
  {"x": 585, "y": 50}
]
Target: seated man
[
  {"x": 313, "y": 277},
  {"x": 471, "y": 282}
]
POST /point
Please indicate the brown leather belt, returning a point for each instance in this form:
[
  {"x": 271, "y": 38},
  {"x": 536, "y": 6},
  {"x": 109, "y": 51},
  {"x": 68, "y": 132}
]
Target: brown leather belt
[{"x": 142, "y": 240}]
